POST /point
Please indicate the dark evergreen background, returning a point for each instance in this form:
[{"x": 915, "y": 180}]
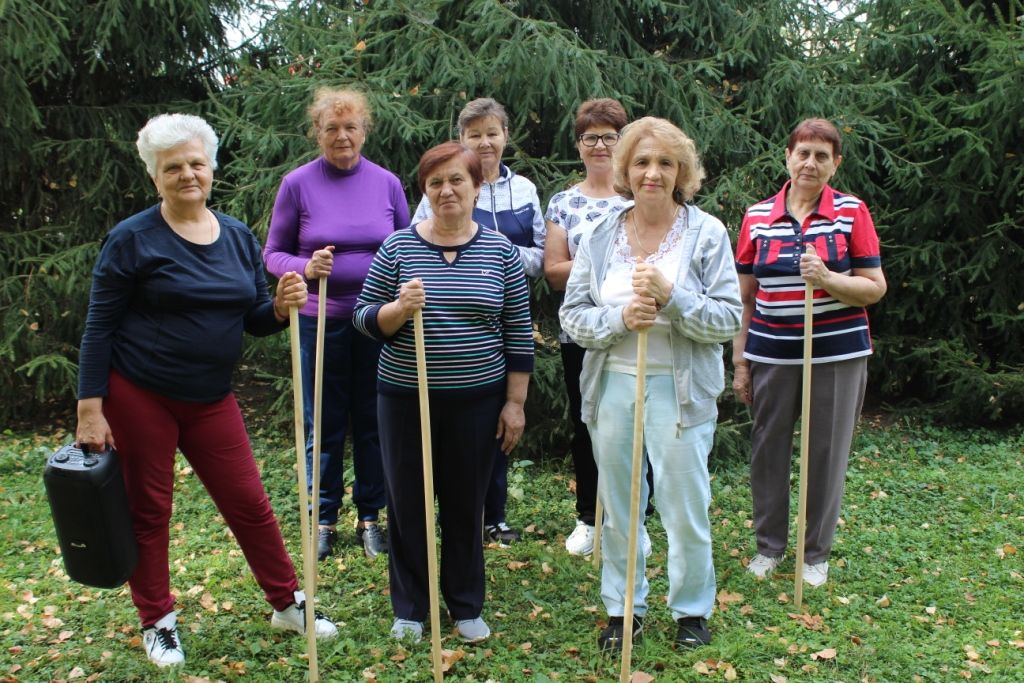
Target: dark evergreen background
[{"x": 929, "y": 95}]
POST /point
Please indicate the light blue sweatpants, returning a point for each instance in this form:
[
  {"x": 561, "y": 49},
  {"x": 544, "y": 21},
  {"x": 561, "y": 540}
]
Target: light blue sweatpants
[{"x": 682, "y": 489}]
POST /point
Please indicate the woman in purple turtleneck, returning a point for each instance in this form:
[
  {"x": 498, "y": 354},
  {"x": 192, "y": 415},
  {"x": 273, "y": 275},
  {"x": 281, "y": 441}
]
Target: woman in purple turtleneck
[{"x": 329, "y": 218}]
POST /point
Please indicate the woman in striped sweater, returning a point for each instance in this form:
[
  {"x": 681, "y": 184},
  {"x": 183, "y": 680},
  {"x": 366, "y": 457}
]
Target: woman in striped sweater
[{"x": 471, "y": 287}]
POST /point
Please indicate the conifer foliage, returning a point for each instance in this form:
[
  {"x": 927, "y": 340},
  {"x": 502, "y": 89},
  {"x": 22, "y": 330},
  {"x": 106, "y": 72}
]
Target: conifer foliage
[
  {"x": 80, "y": 79},
  {"x": 926, "y": 93}
]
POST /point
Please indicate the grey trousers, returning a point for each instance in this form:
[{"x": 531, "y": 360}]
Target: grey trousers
[{"x": 837, "y": 394}]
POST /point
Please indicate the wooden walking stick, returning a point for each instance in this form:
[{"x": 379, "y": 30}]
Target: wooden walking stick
[
  {"x": 805, "y": 439},
  {"x": 318, "y": 393},
  {"x": 598, "y": 523},
  {"x": 428, "y": 495},
  {"x": 308, "y": 565},
  {"x": 634, "y": 504}
]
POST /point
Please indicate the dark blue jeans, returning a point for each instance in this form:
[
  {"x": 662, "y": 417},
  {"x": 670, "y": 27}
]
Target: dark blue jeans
[{"x": 349, "y": 394}]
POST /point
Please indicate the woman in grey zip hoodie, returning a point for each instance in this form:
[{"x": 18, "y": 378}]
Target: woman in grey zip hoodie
[{"x": 665, "y": 266}]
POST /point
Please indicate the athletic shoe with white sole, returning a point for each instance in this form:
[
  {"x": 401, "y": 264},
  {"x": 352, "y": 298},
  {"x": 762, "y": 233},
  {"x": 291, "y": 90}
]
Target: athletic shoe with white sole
[
  {"x": 161, "y": 641},
  {"x": 407, "y": 629},
  {"x": 293, "y": 618},
  {"x": 816, "y": 574},
  {"x": 472, "y": 630},
  {"x": 762, "y": 566},
  {"x": 581, "y": 540}
]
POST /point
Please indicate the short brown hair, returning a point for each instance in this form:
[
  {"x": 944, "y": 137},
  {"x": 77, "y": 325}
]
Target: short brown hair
[
  {"x": 603, "y": 111},
  {"x": 816, "y": 129},
  {"x": 439, "y": 155},
  {"x": 683, "y": 150},
  {"x": 338, "y": 101}
]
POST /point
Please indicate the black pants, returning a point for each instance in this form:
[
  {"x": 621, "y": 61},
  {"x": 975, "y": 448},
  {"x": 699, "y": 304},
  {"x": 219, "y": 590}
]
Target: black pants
[{"x": 463, "y": 444}]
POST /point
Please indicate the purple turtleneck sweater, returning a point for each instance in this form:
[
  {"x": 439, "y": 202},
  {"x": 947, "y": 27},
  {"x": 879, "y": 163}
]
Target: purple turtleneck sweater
[{"x": 319, "y": 204}]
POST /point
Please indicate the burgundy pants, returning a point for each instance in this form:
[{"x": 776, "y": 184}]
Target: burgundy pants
[{"x": 147, "y": 429}]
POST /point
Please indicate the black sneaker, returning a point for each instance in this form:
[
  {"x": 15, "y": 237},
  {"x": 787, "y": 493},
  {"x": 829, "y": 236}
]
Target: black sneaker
[
  {"x": 372, "y": 538},
  {"x": 610, "y": 639},
  {"x": 325, "y": 540},
  {"x": 501, "y": 533},
  {"x": 693, "y": 632}
]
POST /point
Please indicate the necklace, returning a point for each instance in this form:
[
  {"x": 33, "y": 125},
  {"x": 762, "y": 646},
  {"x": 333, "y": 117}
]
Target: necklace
[{"x": 636, "y": 233}]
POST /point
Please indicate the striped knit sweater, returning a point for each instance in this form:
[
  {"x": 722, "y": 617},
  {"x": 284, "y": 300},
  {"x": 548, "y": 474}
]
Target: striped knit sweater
[{"x": 476, "y": 321}]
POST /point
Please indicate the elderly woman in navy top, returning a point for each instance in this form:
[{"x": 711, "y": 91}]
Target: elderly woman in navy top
[
  {"x": 507, "y": 202},
  {"x": 767, "y": 353},
  {"x": 469, "y": 283},
  {"x": 664, "y": 266},
  {"x": 173, "y": 289}
]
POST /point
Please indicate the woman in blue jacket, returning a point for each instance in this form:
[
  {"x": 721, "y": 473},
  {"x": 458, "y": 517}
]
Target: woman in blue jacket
[{"x": 508, "y": 203}]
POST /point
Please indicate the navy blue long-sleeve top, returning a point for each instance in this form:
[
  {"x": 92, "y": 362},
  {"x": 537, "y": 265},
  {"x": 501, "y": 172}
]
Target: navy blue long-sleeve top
[{"x": 169, "y": 314}]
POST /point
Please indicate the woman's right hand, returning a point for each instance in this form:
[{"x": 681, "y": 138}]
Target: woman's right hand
[
  {"x": 93, "y": 433},
  {"x": 320, "y": 263},
  {"x": 639, "y": 313},
  {"x": 741, "y": 384},
  {"x": 411, "y": 297}
]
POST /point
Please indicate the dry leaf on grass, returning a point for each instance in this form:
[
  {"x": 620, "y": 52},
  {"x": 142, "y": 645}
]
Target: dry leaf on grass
[
  {"x": 449, "y": 657},
  {"x": 813, "y": 622},
  {"x": 725, "y": 598},
  {"x": 827, "y": 653},
  {"x": 641, "y": 677},
  {"x": 516, "y": 565}
]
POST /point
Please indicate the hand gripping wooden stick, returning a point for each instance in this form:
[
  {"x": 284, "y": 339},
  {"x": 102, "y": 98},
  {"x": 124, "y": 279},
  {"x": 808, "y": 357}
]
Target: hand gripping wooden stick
[
  {"x": 428, "y": 494},
  {"x": 805, "y": 439},
  {"x": 634, "y": 504},
  {"x": 308, "y": 565}
]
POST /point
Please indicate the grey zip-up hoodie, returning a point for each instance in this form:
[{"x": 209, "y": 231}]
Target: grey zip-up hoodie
[{"x": 704, "y": 311}]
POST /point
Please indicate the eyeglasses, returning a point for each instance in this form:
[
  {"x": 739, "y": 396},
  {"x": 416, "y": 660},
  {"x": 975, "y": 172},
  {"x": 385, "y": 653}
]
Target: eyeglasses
[{"x": 590, "y": 139}]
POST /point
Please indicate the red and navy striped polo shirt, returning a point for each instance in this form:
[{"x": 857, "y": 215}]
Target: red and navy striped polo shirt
[{"x": 769, "y": 248}]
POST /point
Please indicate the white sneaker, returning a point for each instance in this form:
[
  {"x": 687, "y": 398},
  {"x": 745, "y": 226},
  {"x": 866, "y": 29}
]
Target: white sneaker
[
  {"x": 581, "y": 540},
  {"x": 816, "y": 574},
  {"x": 407, "y": 629},
  {"x": 645, "y": 540},
  {"x": 293, "y": 618},
  {"x": 161, "y": 641},
  {"x": 762, "y": 566}
]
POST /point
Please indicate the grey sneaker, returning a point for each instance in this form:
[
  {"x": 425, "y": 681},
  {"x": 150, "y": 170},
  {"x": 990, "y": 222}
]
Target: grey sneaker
[
  {"x": 407, "y": 629},
  {"x": 472, "y": 630},
  {"x": 372, "y": 538}
]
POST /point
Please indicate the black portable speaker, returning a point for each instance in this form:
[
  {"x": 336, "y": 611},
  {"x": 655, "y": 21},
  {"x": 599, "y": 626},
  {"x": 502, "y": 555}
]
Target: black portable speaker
[{"x": 91, "y": 515}]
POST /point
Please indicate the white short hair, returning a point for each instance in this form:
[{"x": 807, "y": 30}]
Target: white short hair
[{"x": 165, "y": 131}]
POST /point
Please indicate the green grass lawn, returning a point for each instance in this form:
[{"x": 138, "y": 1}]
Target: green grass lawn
[{"x": 926, "y": 584}]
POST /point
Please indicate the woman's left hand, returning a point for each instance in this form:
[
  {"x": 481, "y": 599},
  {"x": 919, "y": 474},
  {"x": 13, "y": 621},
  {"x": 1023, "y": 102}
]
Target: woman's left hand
[
  {"x": 814, "y": 271},
  {"x": 511, "y": 423},
  {"x": 291, "y": 293},
  {"x": 648, "y": 281}
]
